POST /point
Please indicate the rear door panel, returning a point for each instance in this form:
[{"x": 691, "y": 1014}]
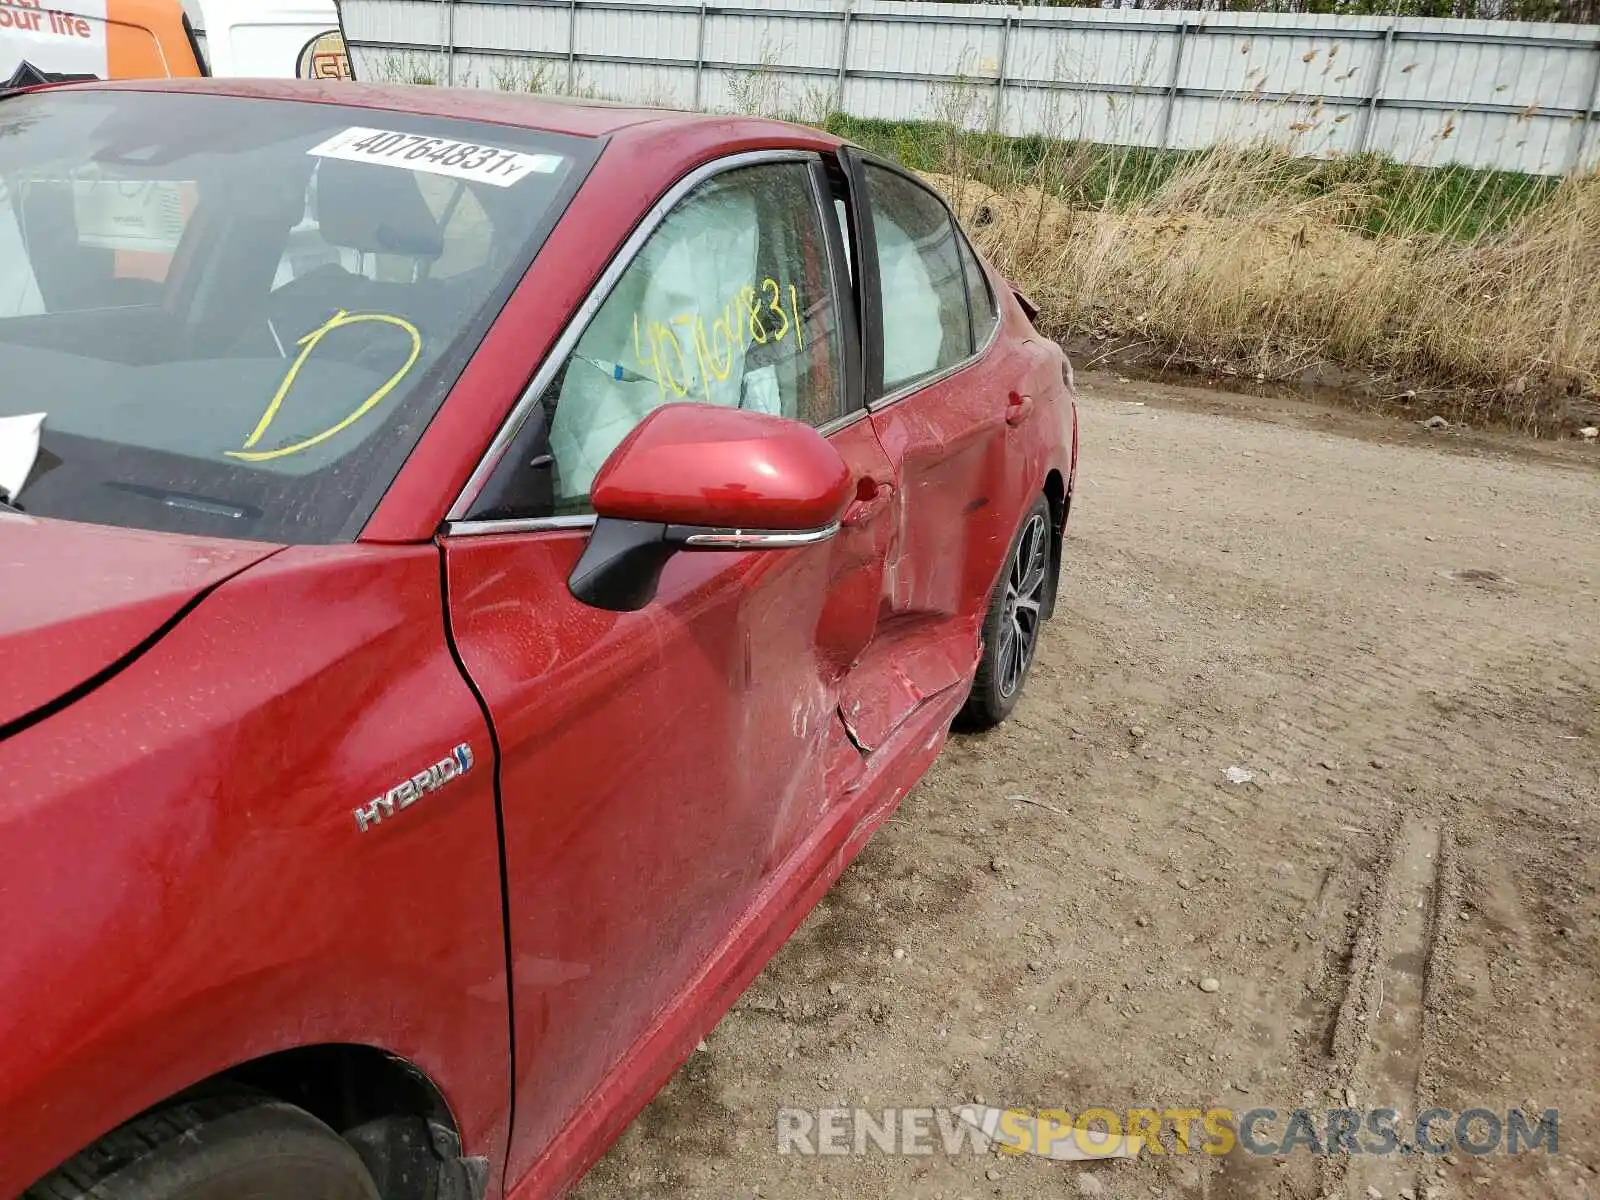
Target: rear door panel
[{"x": 959, "y": 479}]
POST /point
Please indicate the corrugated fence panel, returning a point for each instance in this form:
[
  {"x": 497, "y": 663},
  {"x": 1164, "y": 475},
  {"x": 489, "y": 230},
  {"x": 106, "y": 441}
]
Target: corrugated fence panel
[
  {"x": 775, "y": 39},
  {"x": 1092, "y": 55},
  {"x": 392, "y": 22},
  {"x": 504, "y": 72},
  {"x": 945, "y": 50},
  {"x": 1482, "y": 73},
  {"x": 658, "y": 87},
  {"x": 1131, "y": 119},
  {"x": 1518, "y": 96},
  {"x": 1296, "y": 65},
  {"x": 798, "y": 96},
  {"x": 511, "y": 27},
  {"x": 904, "y": 100},
  {"x": 670, "y": 34}
]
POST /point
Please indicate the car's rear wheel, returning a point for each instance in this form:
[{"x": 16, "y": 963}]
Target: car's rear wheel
[
  {"x": 1011, "y": 627},
  {"x": 214, "y": 1148}
]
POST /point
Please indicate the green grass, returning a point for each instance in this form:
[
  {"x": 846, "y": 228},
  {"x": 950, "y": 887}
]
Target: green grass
[{"x": 1384, "y": 197}]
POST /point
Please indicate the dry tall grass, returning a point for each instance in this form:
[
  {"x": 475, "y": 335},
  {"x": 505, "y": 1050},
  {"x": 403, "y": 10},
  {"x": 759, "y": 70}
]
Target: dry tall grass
[{"x": 1221, "y": 264}]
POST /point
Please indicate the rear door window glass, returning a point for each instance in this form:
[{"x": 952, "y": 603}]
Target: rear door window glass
[
  {"x": 985, "y": 316},
  {"x": 926, "y": 326}
]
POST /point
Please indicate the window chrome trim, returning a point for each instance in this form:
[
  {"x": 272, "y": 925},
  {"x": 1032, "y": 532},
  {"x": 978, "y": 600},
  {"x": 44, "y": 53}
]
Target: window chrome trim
[
  {"x": 711, "y": 539},
  {"x": 575, "y": 329},
  {"x": 760, "y": 539},
  {"x": 926, "y": 381},
  {"x": 843, "y": 422},
  {"x": 516, "y": 525}
]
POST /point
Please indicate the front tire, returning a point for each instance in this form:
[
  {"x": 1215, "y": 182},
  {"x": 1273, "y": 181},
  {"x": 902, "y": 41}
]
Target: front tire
[
  {"x": 214, "y": 1148},
  {"x": 1011, "y": 627}
]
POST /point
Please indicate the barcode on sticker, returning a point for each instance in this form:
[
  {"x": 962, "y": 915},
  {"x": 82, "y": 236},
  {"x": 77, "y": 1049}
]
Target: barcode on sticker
[{"x": 436, "y": 156}]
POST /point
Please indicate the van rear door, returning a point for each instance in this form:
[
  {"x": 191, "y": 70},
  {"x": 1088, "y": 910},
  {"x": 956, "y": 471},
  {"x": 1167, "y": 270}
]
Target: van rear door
[{"x": 270, "y": 39}]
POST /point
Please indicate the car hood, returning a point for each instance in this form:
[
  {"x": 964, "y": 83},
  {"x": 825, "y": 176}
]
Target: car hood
[{"x": 78, "y": 601}]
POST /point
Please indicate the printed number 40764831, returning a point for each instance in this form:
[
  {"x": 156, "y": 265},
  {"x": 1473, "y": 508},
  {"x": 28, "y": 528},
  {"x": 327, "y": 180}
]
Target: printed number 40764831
[
  {"x": 410, "y": 147},
  {"x": 470, "y": 161}
]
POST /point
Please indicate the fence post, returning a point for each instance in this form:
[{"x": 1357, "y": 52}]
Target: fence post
[
  {"x": 1590, "y": 117},
  {"x": 572, "y": 46},
  {"x": 844, "y": 57},
  {"x": 1370, "y": 108},
  {"x": 1000, "y": 73},
  {"x": 1172, "y": 85},
  {"x": 700, "y": 57},
  {"x": 450, "y": 43}
]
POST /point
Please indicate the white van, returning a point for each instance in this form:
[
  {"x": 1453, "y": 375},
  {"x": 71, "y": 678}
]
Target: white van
[
  {"x": 47, "y": 41},
  {"x": 269, "y": 39}
]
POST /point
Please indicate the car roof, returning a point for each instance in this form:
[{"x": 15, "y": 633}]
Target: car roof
[{"x": 552, "y": 114}]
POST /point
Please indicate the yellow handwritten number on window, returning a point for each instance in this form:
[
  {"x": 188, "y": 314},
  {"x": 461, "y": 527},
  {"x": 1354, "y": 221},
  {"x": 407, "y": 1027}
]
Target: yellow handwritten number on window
[
  {"x": 740, "y": 324},
  {"x": 309, "y": 343}
]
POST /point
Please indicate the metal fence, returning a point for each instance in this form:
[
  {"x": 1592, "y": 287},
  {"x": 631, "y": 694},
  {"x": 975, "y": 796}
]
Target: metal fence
[{"x": 1513, "y": 95}]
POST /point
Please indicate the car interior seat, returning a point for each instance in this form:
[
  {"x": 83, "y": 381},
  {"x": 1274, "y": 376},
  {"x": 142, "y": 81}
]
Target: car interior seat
[{"x": 373, "y": 210}]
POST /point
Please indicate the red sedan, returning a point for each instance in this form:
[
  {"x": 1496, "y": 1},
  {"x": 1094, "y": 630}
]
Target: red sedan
[{"x": 476, "y": 569}]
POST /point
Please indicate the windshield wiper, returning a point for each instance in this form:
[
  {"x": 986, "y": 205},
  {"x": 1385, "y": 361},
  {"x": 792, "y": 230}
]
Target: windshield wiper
[
  {"x": 211, "y": 506},
  {"x": 7, "y": 504}
]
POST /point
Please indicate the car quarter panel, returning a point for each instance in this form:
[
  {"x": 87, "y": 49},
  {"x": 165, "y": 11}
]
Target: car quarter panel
[
  {"x": 191, "y": 888},
  {"x": 637, "y": 167}
]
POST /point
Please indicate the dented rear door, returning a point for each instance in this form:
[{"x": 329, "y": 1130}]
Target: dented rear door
[{"x": 941, "y": 385}]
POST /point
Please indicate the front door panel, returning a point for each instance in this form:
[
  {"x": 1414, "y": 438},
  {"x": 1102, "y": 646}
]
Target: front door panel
[
  {"x": 659, "y": 769},
  {"x": 655, "y": 768}
]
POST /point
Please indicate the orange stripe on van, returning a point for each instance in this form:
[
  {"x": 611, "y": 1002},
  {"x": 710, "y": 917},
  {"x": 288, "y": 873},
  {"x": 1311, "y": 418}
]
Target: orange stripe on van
[{"x": 145, "y": 39}]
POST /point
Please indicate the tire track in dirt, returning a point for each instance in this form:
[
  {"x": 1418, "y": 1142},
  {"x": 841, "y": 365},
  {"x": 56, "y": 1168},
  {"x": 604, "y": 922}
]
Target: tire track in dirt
[{"x": 1387, "y": 1047}]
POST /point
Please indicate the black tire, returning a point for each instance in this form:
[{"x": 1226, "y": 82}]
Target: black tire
[
  {"x": 229, "y": 1147},
  {"x": 1021, "y": 597}
]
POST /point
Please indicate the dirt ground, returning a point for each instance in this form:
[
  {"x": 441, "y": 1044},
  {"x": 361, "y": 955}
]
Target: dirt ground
[{"x": 1397, "y": 634}]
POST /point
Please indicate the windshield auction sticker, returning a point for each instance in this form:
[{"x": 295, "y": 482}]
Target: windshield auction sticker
[{"x": 436, "y": 156}]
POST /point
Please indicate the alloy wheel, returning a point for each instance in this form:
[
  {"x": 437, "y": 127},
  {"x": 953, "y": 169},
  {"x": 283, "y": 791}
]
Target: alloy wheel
[{"x": 1024, "y": 599}]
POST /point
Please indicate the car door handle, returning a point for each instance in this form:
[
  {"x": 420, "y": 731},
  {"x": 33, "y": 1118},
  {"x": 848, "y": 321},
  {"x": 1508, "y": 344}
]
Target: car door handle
[
  {"x": 868, "y": 506},
  {"x": 1018, "y": 406}
]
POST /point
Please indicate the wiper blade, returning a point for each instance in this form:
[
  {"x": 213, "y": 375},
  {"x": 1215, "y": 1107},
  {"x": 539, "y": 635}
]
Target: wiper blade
[
  {"x": 209, "y": 505},
  {"x": 7, "y": 504}
]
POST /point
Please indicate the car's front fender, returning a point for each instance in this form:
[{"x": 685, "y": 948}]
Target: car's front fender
[{"x": 188, "y": 885}]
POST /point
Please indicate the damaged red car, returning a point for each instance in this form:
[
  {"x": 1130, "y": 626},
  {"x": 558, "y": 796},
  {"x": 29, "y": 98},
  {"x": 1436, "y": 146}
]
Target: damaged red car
[{"x": 476, "y": 569}]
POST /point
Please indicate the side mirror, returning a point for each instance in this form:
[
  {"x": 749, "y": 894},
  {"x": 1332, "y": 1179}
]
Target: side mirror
[{"x": 703, "y": 477}]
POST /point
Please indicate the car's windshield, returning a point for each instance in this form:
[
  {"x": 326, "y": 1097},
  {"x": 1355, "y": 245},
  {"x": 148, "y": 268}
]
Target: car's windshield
[{"x": 238, "y": 315}]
